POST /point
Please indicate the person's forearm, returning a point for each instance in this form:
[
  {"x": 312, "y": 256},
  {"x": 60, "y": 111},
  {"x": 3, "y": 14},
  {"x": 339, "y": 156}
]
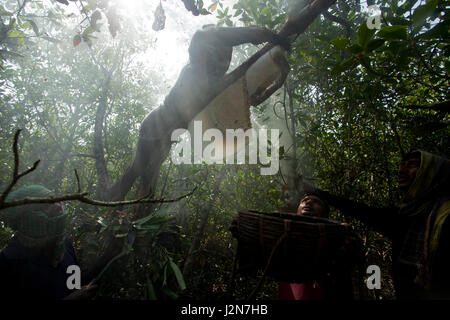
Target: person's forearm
[{"x": 382, "y": 220}]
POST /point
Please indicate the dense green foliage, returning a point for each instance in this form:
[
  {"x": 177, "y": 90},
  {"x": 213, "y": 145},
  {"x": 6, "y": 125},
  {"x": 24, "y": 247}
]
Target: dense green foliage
[{"x": 350, "y": 103}]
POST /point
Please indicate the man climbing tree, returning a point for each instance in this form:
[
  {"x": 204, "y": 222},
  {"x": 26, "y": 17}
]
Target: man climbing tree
[
  {"x": 210, "y": 54},
  {"x": 199, "y": 82}
]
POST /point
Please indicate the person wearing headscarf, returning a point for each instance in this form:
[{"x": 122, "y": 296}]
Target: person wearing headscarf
[{"x": 419, "y": 228}]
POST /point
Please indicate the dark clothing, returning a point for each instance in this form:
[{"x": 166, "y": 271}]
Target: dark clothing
[
  {"x": 407, "y": 235},
  {"x": 26, "y": 276}
]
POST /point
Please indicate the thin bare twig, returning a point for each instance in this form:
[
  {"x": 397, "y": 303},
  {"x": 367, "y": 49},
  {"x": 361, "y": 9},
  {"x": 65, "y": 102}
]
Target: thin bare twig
[{"x": 16, "y": 174}]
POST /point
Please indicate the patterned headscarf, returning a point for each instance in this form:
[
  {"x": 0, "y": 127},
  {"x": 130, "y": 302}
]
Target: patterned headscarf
[
  {"x": 429, "y": 196},
  {"x": 431, "y": 180}
]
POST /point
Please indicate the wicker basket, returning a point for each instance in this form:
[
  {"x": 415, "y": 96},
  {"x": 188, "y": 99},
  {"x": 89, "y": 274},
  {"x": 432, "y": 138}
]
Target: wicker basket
[{"x": 299, "y": 248}]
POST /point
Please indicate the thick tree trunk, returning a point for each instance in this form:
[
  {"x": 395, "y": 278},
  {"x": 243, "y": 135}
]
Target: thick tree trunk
[
  {"x": 293, "y": 178},
  {"x": 98, "y": 150},
  {"x": 66, "y": 152},
  {"x": 103, "y": 178}
]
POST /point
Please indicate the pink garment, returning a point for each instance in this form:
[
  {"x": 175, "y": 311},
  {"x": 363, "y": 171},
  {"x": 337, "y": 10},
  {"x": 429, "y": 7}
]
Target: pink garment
[{"x": 299, "y": 291}]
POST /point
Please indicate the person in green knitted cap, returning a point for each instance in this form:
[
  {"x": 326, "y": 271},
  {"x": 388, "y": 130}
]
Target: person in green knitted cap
[{"x": 36, "y": 260}]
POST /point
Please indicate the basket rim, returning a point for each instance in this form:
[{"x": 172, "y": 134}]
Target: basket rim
[{"x": 290, "y": 216}]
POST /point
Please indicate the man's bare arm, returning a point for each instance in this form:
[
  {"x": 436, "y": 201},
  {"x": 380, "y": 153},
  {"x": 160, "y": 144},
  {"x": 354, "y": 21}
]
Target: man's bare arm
[{"x": 240, "y": 35}]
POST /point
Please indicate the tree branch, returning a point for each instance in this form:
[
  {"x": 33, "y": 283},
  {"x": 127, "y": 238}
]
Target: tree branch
[
  {"x": 85, "y": 155},
  {"x": 78, "y": 181},
  {"x": 440, "y": 106},
  {"x": 16, "y": 175},
  {"x": 80, "y": 196},
  {"x": 346, "y": 24}
]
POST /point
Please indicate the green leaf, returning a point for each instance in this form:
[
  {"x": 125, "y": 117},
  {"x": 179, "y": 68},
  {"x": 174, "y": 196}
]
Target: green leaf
[
  {"x": 148, "y": 228},
  {"x": 154, "y": 220},
  {"x": 349, "y": 63},
  {"x": 441, "y": 30},
  {"x": 447, "y": 66},
  {"x": 26, "y": 25},
  {"x": 397, "y": 32},
  {"x": 88, "y": 31},
  {"x": 14, "y": 33},
  {"x": 178, "y": 274},
  {"x": 399, "y": 21},
  {"x": 164, "y": 279},
  {"x": 345, "y": 65},
  {"x": 355, "y": 49},
  {"x": 213, "y": 6},
  {"x": 395, "y": 46},
  {"x": 340, "y": 43},
  {"x": 121, "y": 235},
  {"x": 404, "y": 56},
  {"x": 374, "y": 44},
  {"x": 151, "y": 290},
  {"x": 265, "y": 11},
  {"x": 34, "y": 26},
  {"x": 421, "y": 13},
  {"x": 364, "y": 35},
  {"x": 169, "y": 293}
]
